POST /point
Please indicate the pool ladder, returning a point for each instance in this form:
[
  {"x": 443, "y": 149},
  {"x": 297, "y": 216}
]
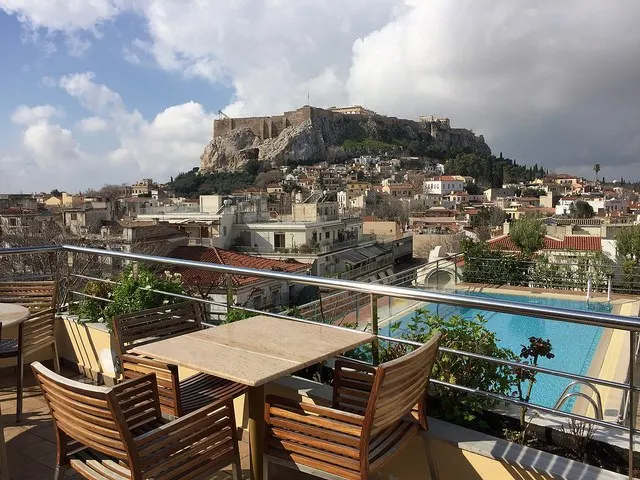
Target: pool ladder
[{"x": 566, "y": 395}]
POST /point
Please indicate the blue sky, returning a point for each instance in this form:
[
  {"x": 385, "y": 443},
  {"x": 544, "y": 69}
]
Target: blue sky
[{"x": 109, "y": 91}]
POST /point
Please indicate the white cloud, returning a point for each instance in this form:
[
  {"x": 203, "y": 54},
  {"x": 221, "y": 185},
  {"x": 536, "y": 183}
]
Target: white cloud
[
  {"x": 63, "y": 15},
  {"x": 93, "y": 124},
  {"x": 25, "y": 115},
  {"x": 130, "y": 56},
  {"x": 76, "y": 45},
  {"x": 550, "y": 82},
  {"x": 91, "y": 95},
  {"x": 172, "y": 142},
  {"x": 51, "y": 146}
]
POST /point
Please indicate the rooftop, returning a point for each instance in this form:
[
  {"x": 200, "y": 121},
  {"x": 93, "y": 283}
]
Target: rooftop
[
  {"x": 570, "y": 242},
  {"x": 233, "y": 259}
]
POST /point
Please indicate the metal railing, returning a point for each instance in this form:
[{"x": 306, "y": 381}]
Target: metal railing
[
  {"x": 374, "y": 291},
  {"x": 569, "y": 274}
]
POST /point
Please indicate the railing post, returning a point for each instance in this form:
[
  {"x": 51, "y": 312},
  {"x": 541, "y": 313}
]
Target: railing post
[
  {"x": 631, "y": 411},
  {"x": 229, "y": 286},
  {"x": 134, "y": 270},
  {"x": 437, "y": 279},
  {"x": 357, "y": 310},
  {"x": 67, "y": 293},
  {"x": 455, "y": 269},
  {"x": 609, "y": 289},
  {"x": 374, "y": 328}
]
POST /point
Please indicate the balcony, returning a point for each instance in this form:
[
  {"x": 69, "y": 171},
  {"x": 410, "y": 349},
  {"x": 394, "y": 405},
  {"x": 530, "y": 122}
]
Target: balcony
[
  {"x": 316, "y": 249},
  {"x": 458, "y": 452}
]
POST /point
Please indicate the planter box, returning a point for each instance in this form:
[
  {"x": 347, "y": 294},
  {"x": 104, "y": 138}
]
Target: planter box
[{"x": 89, "y": 346}]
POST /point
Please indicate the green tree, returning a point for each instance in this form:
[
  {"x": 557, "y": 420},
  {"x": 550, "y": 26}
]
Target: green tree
[
  {"x": 628, "y": 243},
  {"x": 581, "y": 209},
  {"x": 527, "y": 234}
]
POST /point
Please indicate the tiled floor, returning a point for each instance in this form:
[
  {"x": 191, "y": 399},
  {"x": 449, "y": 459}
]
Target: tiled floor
[{"x": 31, "y": 446}]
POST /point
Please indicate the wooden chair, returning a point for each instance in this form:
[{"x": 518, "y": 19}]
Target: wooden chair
[
  {"x": 33, "y": 295},
  {"x": 119, "y": 433},
  {"x": 35, "y": 333},
  {"x": 176, "y": 397},
  {"x": 370, "y": 418}
]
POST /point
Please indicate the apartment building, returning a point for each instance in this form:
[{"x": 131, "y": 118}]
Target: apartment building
[{"x": 443, "y": 185}]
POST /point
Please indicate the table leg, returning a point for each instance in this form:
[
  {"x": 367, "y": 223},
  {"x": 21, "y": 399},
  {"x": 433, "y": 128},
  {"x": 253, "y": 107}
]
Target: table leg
[
  {"x": 4, "y": 463},
  {"x": 256, "y": 430}
]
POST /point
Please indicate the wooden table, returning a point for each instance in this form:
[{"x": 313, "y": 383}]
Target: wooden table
[
  {"x": 10, "y": 314},
  {"x": 254, "y": 352}
]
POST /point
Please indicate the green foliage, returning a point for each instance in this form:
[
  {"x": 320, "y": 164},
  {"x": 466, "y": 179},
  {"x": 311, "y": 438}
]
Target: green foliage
[
  {"x": 193, "y": 183},
  {"x": 482, "y": 265},
  {"x": 581, "y": 209},
  {"x": 469, "y": 335},
  {"x": 91, "y": 309},
  {"x": 528, "y": 234},
  {"x": 573, "y": 273},
  {"x": 628, "y": 243},
  {"x": 525, "y": 378},
  {"x": 236, "y": 314},
  {"x": 133, "y": 292},
  {"x": 368, "y": 146},
  {"x": 491, "y": 170},
  {"x": 492, "y": 216}
]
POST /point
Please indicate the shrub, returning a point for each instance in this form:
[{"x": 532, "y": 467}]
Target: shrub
[
  {"x": 92, "y": 309},
  {"x": 470, "y": 335},
  {"x": 134, "y": 292},
  {"x": 236, "y": 314}
]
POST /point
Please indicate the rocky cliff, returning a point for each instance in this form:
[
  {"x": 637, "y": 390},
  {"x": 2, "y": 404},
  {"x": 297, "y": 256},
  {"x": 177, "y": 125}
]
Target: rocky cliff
[{"x": 311, "y": 135}]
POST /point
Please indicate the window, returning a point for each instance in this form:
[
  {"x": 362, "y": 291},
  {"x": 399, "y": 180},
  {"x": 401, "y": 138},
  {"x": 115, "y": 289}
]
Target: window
[
  {"x": 326, "y": 235},
  {"x": 278, "y": 240},
  {"x": 224, "y": 230},
  {"x": 13, "y": 222},
  {"x": 74, "y": 216}
]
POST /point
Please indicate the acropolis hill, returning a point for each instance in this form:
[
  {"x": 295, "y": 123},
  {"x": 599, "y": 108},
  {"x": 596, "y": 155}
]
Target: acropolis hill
[{"x": 311, "y": 134}]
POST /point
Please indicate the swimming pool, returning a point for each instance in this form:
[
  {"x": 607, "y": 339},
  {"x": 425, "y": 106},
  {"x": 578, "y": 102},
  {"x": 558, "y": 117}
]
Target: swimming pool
[{"x": 573, "y": 345}]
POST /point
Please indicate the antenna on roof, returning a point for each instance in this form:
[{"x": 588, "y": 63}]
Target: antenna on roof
[{"x": 308, "y": 101}]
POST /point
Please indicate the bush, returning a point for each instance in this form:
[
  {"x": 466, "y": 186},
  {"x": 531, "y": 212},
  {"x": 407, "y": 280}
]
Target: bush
[
  {"x": 470, "y": 335},
  {"x": 133, "y": 293},
  {"x": 92, "y": 309},
  {"x": 235, "y": 314}
]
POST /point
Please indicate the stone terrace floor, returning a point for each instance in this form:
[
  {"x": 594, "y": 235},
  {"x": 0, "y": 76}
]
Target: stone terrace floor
[{"x": 31, "y": 445}]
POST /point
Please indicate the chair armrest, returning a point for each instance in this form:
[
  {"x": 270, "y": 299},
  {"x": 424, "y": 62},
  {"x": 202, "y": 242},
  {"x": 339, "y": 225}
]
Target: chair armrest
[
  {"x": 178, "y": 440},
  {"x": 146, "y": 362}
]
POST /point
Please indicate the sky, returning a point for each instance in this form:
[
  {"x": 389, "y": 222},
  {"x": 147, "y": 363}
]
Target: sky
[{"x": 110, "y": 91}]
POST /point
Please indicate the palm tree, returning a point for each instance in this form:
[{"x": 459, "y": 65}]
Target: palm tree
[{"x": 596, "y": 168}]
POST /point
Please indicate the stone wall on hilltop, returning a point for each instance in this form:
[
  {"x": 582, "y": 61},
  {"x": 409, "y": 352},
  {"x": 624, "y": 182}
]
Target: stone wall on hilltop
[{"x": 305, "y": 135}]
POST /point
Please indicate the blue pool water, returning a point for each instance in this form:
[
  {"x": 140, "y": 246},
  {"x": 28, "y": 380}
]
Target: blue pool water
[{"x": 573, "y": 345}]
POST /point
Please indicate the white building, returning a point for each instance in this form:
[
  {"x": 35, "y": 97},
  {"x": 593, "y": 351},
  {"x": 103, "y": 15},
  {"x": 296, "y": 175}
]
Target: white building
[
  {"x": 600, "y": 205},
  {"x": 444, "y": 184}
]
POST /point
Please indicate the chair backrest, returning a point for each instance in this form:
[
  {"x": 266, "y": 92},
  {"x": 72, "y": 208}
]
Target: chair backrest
[
  {"x": 100, "y": 418},
  {"x": 33, "y": 295},
  {"x": 399, "y": 385},
  {"x": 39, "y": 330},
  {"x": 146, "y": 326}
]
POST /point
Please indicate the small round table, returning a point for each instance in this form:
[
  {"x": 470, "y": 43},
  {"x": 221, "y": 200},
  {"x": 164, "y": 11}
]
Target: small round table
[{"x": 10, "y": 314}]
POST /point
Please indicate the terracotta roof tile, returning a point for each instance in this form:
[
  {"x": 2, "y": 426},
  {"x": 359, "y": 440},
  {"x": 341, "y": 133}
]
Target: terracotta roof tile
[
  {"x": 570, "y": 242},
  {"x": 196, "y": 276}
]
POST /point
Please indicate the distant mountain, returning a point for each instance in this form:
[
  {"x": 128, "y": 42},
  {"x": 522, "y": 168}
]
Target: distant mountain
[{"x": 312, "y": 134}]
